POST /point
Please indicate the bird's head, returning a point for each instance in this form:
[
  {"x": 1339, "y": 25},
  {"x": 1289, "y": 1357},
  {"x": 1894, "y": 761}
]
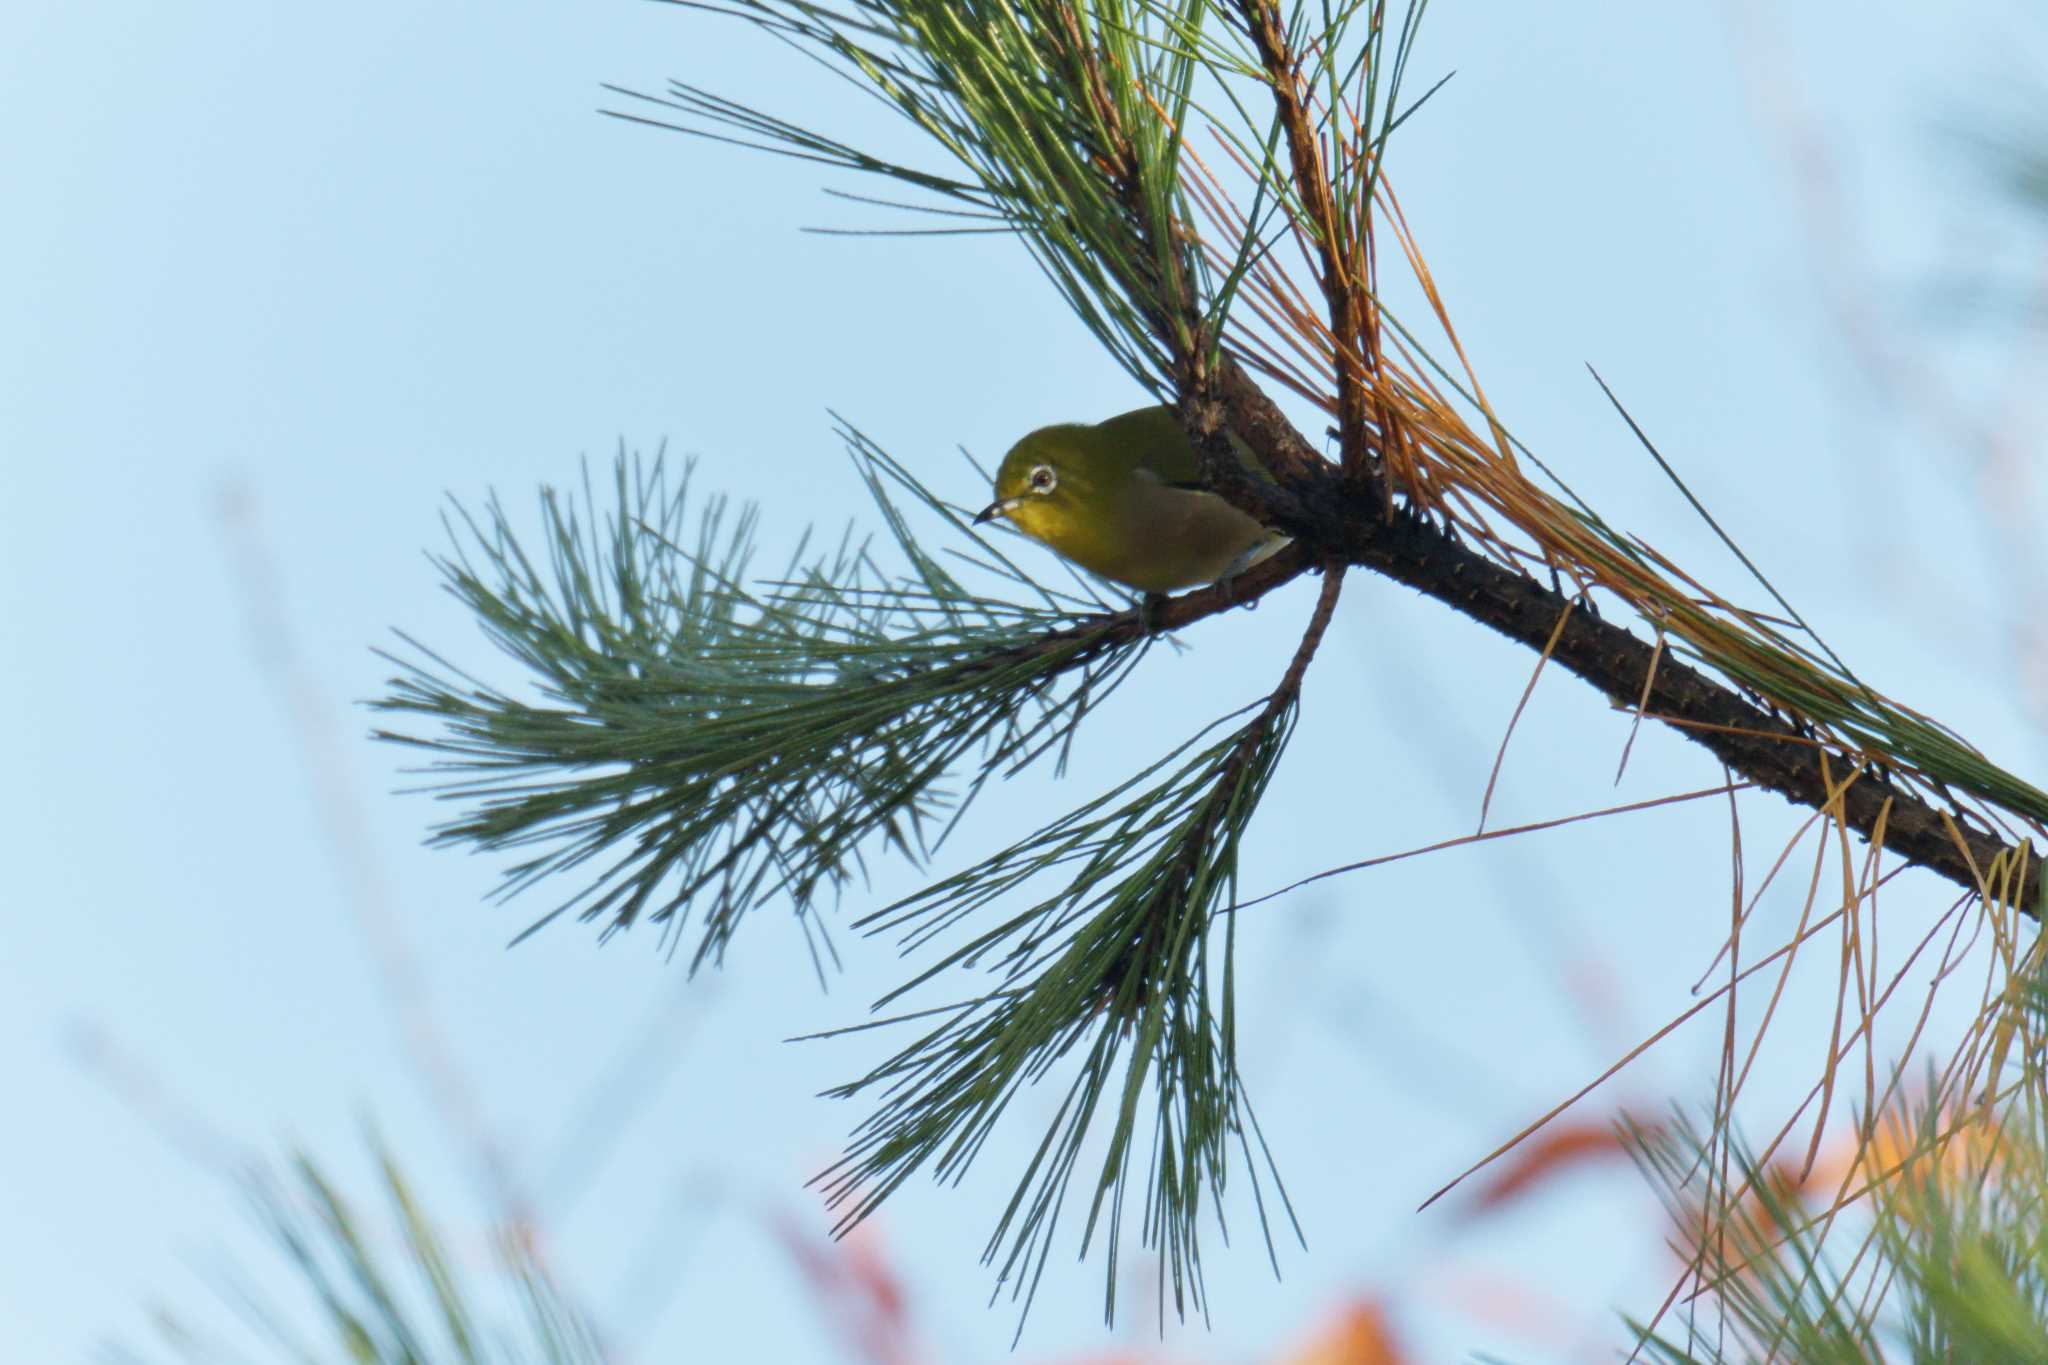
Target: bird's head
[{"x": 1047, "y": 485}]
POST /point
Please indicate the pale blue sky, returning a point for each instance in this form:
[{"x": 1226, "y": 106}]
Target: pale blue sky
[{"x": 326, "y": 265}]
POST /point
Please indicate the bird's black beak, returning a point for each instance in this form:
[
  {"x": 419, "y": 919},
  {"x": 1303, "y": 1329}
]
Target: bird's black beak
[{"x": 993, "y": 510}]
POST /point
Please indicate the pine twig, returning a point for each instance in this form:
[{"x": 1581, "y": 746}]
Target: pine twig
[{"x": 1755, "y": 743}]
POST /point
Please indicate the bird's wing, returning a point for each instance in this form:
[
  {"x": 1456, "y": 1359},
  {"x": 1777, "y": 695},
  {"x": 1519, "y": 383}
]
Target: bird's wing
[{"x": 1151, "y": 439}]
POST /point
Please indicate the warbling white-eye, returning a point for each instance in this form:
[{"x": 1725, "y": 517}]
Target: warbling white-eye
[{"x": 1123, "y": 498}]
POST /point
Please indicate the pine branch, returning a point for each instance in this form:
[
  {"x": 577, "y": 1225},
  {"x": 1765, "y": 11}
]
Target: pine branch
[
  {"x": 1340, "y": 246},
  {"x": 1117, "y": 963},
  {"x": 727, "y": 745},
  {"x": 1110, "y": 89},
  {"x": 1756, "y": 743}
]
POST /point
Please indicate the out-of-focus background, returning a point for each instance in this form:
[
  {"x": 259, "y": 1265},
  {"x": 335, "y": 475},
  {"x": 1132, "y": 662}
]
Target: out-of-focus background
[{"x": 278, "y": 281}]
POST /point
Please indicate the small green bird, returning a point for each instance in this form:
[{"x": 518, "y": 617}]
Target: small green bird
[{"x": 1123, "y": 498}]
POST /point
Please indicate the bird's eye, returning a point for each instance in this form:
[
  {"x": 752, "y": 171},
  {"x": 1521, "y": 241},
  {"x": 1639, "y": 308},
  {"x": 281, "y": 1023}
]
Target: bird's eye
[{"x": 1043, "y": 480}]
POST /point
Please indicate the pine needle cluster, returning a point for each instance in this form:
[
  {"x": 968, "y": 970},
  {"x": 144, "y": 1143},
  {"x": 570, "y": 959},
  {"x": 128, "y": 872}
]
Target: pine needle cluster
[
  {"x": 1944, "y": 1216},
  {"x": 703, "y": 743},
  {"x": 372, "y": 1299}
]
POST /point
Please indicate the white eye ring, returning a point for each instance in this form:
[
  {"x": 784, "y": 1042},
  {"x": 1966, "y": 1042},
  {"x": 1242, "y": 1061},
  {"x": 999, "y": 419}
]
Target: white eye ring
[{"x": 1043, "y": 479}]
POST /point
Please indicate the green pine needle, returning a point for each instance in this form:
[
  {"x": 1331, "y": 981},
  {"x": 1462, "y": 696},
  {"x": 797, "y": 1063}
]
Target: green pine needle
[
  {"x": 1116, "y": 965},
  {"x": 702, "y": 743},
  {"x": 371, "y": 1304},
  {"x": 1951, "y": 1258}
]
